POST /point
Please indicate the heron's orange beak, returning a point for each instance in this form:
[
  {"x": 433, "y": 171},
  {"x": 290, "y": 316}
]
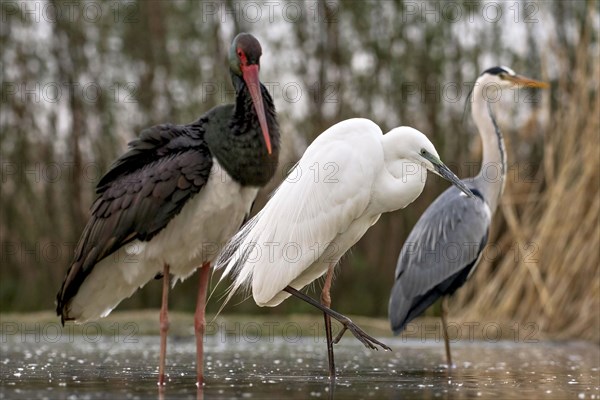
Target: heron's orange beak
[
  {"x": 250, "y": 75},
  {"x": 527, "y": 82}
]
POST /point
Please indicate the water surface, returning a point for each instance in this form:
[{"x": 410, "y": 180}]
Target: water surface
[{"x": 86, "y": 367}]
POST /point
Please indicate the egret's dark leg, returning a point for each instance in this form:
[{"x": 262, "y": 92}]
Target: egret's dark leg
[
  {"x": 331, "y": 390},
  {"x": 445, "y": 330},
  {"x": 326, "y": 301},
  {"x": 164, "y": 326},
  {"x": 363, "y": 337},
  {"x": 200, "y": 321}
]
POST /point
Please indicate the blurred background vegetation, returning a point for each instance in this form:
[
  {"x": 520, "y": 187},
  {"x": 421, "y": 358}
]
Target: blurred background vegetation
[{"x": 80, "y": 80}]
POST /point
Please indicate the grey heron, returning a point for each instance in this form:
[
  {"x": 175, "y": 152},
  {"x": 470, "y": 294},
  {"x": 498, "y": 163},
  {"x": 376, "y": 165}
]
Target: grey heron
[{"x": 445, "y": 246}]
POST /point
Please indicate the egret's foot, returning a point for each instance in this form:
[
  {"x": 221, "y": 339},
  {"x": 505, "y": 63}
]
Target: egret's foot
[
  {"x": 339, "y": 336},
  {"x": 366, "y": 339},
  {"x": 330, "y": 356},
  {"x": 363, "y": 337}
]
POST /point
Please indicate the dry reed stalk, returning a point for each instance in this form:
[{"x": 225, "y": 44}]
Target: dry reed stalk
[{"x": 557, "y": 286}]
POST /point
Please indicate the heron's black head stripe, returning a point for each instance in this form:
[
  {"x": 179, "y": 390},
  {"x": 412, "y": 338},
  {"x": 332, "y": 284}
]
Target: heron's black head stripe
[{"x": 495, "y": 71}]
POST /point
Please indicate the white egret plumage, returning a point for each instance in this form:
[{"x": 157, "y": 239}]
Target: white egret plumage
[{"x": 313, "y": 219}]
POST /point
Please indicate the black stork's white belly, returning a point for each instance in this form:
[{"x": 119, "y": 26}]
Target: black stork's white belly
[{"x": 193, "y": 237}]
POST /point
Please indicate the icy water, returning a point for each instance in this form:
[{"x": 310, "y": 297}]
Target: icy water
[{"x": 91, "y": 367}]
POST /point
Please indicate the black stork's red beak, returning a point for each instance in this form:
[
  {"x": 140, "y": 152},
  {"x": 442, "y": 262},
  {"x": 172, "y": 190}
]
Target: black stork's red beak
[{"x": 250, "y": 75}]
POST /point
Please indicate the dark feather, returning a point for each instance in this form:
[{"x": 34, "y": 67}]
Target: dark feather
[
  {"x": 136, "y": 202},
  {"x": 438, "y": 255},
  {"x": 165, "y": 167}
]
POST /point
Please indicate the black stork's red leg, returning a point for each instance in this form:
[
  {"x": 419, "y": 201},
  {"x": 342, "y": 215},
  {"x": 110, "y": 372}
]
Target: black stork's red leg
[
  {"x": 164, "y": 325},
  {"x": 200, "y": 321},
  {"x": 166, "y": 168}
]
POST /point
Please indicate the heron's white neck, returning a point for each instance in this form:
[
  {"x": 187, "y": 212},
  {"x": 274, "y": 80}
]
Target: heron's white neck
[{"x": 490, "y": 180}]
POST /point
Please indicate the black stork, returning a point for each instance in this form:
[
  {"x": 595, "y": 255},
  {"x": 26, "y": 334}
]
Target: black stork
[{"x": 180, "y": 192}]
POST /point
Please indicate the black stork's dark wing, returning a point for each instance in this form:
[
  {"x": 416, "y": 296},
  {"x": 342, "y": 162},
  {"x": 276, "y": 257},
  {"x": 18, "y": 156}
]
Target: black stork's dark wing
[{"x": 143, "y": 190}]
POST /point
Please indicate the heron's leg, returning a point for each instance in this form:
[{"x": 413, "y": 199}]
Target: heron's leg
[
  {"x": 363, "y": 337},
  {"x": 445, "y": 330},
  {"x": 200, "y": 321},
  {"x": 326, "y": 301},
  {"x": 164, "y": 326}
]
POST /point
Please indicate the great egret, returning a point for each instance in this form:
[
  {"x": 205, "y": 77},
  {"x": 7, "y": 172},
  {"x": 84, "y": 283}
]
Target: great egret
[
  {"x": 180, "y": 191},
  {"x": 446, "y": 244},
  {"x": 345, "y": 180}
]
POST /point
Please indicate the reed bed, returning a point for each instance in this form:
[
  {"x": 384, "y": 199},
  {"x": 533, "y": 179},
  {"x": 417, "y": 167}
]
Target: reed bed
[{"x": 546, "y": 233}]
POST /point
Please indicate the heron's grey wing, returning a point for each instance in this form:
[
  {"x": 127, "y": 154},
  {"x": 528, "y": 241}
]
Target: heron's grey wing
[
  {"x": 144, "y": 189},
  {"x": 438, "y": 255}
]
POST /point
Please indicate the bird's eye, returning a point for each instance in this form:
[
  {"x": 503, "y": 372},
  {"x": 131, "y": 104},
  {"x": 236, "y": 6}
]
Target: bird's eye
[
  {"x": 423, "y": 152},
  {"x": 502, "y": 75},
  {"x": 239, "y": 53}
]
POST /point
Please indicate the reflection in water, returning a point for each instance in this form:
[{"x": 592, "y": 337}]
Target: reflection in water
[{"x": 75, "y": 368}]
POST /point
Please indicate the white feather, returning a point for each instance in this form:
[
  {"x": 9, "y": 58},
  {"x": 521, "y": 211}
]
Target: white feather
[
  {"x": 313, "y": 219},
  {"x": 193, "y": 237}
]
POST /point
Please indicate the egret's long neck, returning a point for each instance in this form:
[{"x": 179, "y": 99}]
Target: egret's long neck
[
  {"x": 492, "y": 176},
  {"x": 401, "y": 181}
]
